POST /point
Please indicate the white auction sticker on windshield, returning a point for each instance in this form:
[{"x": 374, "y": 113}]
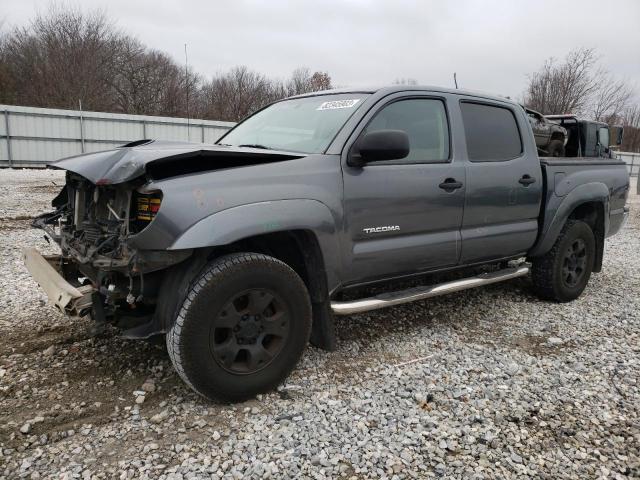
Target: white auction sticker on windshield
[{"x": 338, "y": 104}]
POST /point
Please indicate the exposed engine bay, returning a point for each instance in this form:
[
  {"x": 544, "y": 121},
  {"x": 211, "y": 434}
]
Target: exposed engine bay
[
  {"x": 91, "y": 222},
  {"x": 92, "y": 225}
]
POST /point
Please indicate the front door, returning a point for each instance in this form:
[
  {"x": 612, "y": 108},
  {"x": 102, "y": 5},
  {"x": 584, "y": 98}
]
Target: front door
[{"x": 404, "y": 216}]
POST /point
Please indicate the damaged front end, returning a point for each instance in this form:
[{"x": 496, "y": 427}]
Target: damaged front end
[
  {"x": 116, "y": 231},
  {"x": 99, "y": 273}
]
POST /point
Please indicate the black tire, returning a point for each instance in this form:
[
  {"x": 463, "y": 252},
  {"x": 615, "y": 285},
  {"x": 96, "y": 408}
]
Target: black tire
[
  {"x": 563, "y": 272},
  {"x": 247, "y": 303},
  {"x": 556, "y": 148}
]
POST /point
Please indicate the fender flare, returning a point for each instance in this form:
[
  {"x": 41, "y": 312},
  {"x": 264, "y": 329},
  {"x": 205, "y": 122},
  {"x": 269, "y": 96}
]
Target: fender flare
[
  {"x": 244, "y": 221},
  {"x": 589, "y": 192}
]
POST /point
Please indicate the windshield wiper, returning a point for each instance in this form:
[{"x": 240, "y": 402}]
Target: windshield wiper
[{"x": 254, "y": 145}]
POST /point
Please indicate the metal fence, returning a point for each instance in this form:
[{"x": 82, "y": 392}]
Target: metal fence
[
  {"x": 31, "y": 137},
  {"x": 632, "y": 160}
]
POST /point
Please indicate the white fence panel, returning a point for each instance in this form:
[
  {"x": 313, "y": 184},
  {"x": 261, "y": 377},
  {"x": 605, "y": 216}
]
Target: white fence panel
[
  {"x": 31, "y": 137},
  {"x": 632, "y": 160}
]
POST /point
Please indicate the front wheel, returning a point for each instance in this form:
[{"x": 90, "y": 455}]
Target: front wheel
[
  {"x": 242, "y": 327},
  {"x": 563, "y": 272}
]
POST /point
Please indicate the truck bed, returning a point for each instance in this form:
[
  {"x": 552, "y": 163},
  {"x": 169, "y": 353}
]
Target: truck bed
[
  {"x": 578, "y": 161},
  {"x": 568, "y": 180}
]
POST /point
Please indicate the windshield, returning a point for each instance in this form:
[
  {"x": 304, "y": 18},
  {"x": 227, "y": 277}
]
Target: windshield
[{"x": 304, "y": 125}]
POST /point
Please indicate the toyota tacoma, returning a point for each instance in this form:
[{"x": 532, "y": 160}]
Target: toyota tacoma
[{"x": 241, "y": 252}]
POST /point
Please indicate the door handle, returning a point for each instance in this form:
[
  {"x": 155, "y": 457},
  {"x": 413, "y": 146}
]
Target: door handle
[
  {"x": 450, "y": 184},
  {"x": 527, "y": 180}
]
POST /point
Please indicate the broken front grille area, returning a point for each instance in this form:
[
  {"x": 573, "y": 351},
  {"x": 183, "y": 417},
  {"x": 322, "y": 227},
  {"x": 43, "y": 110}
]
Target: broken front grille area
[{"x": 92, "y": 223}]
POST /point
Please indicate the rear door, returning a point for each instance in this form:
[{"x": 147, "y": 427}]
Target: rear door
[
  {"x": 504, "y": 182},
  {"x": 404, "y": 216}
]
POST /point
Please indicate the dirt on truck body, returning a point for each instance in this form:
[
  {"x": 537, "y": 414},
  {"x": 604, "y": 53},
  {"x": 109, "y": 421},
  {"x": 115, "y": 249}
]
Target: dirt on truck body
[{"x": 242, "y": 252}]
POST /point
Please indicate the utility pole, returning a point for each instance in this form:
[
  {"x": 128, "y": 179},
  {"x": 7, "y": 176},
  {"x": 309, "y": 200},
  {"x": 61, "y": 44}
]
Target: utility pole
[
  {"x": 186, "y": 80},
  {"x": 82, "y": 149}
]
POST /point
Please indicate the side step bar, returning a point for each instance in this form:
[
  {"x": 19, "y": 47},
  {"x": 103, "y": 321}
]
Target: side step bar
[{"x": 389, "y": 299}]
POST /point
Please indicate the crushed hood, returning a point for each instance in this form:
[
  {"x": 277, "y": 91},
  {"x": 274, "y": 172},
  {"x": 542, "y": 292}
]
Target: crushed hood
[{"x": 164, "y": 159}]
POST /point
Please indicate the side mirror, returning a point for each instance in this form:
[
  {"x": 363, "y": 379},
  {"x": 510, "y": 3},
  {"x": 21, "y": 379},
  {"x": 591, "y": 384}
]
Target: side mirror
[{"x": 380, "y": 145}]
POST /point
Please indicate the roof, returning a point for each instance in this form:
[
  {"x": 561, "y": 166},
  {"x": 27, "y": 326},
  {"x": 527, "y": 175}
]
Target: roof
[{"x": 387, "y": 90}]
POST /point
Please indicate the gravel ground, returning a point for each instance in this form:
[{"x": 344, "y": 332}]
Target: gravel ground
[{"x": 499, "y": 385}]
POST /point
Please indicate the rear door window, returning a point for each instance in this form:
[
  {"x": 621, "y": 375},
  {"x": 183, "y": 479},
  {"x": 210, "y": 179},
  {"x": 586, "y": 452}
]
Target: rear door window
[{"x": 491, "y": 132}]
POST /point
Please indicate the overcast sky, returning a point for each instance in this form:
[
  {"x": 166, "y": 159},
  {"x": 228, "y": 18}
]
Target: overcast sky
[{"x": 492, "y": 45}]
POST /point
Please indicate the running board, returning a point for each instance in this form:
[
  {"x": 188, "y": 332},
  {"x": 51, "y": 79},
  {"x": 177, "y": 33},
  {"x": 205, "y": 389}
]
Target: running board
[{"x": 389, "y": 299}]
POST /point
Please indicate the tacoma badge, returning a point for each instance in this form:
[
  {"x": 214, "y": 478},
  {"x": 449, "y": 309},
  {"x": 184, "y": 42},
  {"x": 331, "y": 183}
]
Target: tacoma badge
[{"x": 389, "y": 228}]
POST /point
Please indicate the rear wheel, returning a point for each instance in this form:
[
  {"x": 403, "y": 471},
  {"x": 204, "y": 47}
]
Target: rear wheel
[
  {"x": 562, "y": 273},
  {"x": 556, "y": 148},
  {"x": 242, "y": 327}
]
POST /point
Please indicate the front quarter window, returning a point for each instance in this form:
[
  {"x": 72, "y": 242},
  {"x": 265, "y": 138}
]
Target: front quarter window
[{"x": 305, "y": 125}]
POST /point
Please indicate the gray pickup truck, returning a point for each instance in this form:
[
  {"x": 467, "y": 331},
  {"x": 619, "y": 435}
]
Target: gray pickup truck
[{"x": 241, "y": 252}]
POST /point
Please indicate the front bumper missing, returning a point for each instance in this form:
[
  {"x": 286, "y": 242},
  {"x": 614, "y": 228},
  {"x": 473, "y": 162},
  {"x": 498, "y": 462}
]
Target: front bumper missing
[{"x": 72, "y": 301}]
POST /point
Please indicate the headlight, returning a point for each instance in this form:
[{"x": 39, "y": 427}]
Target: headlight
[{"x": 145, "y": 207}]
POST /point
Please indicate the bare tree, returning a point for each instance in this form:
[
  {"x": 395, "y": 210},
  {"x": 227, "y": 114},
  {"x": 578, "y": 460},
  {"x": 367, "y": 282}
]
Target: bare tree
[
  {"x": 7, "y": 86},
  {"x": 565, "y": 87},
  {"x": 611, "y": 98},
  {"x": 299, "y": 82},
  {"x": 320, "y": 81},
  {"x": 303, "y": 81},
  {"x": 631, "y": 122},
  {"x": 236, "y": 94},
  {"x": 240, "y": 92},
  {"x": 174, "y": 99},
  {"x": 149, "y": 82},
  {"x": 578, "y": 85},
  {"x": 67, "y": 56}
]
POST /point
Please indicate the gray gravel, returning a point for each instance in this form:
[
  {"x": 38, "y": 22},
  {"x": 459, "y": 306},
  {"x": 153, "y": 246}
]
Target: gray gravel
[{"x": 493, "y": 384}]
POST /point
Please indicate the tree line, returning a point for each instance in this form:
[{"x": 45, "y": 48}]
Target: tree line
[{"x": 67, "y": 56}]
